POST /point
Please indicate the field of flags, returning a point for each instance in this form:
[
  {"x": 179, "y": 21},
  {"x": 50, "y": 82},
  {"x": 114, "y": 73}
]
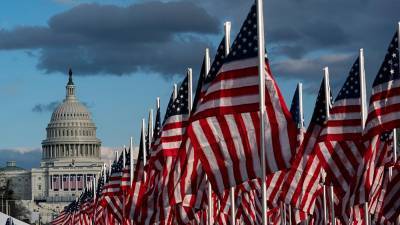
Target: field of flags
[{"x": 232, "y": 152}]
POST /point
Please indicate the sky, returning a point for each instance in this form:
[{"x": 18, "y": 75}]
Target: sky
[{"x": 125, "y": 54}]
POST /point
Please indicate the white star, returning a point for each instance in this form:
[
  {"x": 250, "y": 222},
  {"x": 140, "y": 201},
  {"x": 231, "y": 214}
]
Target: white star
[{"x": 391, "y": 71}]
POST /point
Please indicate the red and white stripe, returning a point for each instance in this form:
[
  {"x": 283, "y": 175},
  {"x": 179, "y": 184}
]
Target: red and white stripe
[
  {"x": 384, "y": 108},
  {"x": 226, "y": 131},
  {"x": 341, "y": 150},
  {"x": 301, "y": 185},
  {"x": 391, "y": 203},
  {"x": 112, "y": 195}
]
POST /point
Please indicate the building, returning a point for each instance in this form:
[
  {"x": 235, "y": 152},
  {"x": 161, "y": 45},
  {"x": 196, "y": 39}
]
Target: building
[
  {"x": 18, "y": 178},
  {"x": 70, "y": 161},
  {"x": 70, "y": 152}
]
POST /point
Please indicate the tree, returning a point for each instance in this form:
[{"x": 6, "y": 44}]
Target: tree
[{"x": 16, "y": 208}]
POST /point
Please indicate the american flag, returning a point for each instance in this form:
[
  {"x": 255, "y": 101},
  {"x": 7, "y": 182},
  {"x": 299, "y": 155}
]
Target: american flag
[
  {"x": 72, "y": 182},
  {"x": 378, "y": 194},
  {"x": 87, "y": 203},
  {"x": 89, "y": 179},
  {"x": 384, "y": 110},
  {"x": 126, "y": 172},
  {"x": 112, "y": 190},
  {"x": 137, "y": 189},
  {"x": 341, "y": 148},
  {"x": 99, "y": 214},
  {"x": 152, "y": 167},
  {"x": 69, "y": 216},
  {"x": 391, "y": 204},
  {"x": 85, "y": 210},
  {"x": 65, "y": 182},
  {"x": 80, "y": 182},
  {"x": 225, "y": 127},
  {"x": 317, "y": 217},
  {"x": 297, "y": 116},
  {"x": 170, "y": 139},
  {"x": 56, "y": 183},
  {"x": 188, "y": 174},
  {"x": 377, "y": 156},
  {"x": 300, "y": 187}
]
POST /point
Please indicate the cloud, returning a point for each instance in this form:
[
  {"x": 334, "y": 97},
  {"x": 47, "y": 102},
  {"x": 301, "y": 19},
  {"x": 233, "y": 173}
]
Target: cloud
[
  {"x": 29, "y": 157},
  {"x": 26, "y": 157},
  {"x": 51, "y": 106},
  {"x": 310, "y": 70},
  {"x": 108, "y": 153},
  {"x": 166, "y": 37},
  {"x": 299, "y": 32},
  {"x": 154, "y": 37}
]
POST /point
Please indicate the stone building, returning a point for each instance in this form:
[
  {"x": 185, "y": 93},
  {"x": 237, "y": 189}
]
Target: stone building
[
  {"x": 70, "y": 152},
  {"x": 19, "y": 179},
  {"x": 71, "y": 159}
]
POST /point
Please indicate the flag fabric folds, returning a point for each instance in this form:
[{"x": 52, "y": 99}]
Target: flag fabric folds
[
  {"x": 337, "y": 171},
  {"x": 225, "y": 126}
]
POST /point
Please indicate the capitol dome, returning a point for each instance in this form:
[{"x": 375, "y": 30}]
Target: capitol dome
[{"x": 71, "y": 133}]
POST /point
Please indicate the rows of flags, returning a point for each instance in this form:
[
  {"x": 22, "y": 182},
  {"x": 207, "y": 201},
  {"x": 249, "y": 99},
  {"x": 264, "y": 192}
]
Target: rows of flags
[{"x": 218, "y": 158}]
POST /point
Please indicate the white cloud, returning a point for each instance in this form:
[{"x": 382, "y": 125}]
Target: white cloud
[
  {"x": 22, "y": 150},
  {"x": 108, "y": 153}
]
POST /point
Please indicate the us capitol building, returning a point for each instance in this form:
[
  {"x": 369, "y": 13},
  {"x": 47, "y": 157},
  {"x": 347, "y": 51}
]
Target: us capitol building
[{"x": 70, "y": 158}]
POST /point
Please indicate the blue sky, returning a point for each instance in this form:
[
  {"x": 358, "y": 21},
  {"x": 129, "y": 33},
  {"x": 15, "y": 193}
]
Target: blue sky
[{"x": 34, "y": 63}]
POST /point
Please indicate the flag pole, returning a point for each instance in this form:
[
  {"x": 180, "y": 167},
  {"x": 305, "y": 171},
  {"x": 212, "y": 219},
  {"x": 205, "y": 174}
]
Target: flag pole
[
  {"x": 190, "y": 89},
  {"x": 327, "y": 104},
  {"x": 207, "y": 65},
  {"x": 175, "y": 93},
  {"x": 131, "y": 162},
  {"x": 261, "y": 70},
  {"x": 123, "y": 156},
  {"x": 300, "y": 85},
  {"x": 150, "y": 127},
  {"x": 227, "y": 30},
  {"x": 363, "y": 111},
  {"x": 363, "y": 91},
  {"x": 283, "y": 219},
  {"x": 144, "y": 147}
]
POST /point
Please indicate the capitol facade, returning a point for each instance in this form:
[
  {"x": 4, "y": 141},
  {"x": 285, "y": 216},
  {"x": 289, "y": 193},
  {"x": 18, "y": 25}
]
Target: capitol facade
[{"x": 70, "y": 161}]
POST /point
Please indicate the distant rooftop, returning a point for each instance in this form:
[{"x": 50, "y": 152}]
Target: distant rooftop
[{"x": 11, "y": 166}]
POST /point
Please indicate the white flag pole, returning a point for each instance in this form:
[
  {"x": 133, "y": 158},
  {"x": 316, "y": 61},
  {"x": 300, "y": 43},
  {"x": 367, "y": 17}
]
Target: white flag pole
[
  {"x": 105, "y": 172},
  {"x": 300, "y": 86},
  {"x": 333, "y": 221},
  {"x": 324, "y": 202},
  {"x": 123, "y": 156},
  {"x": 131, "y": 162},
  {"x": 283, "y": 217},
  {"x": 207, "y": 62},
  {"x": 363, "y": 90},
  {"x": 207, "y": 65},
  {"x": 364, "y": 114},
  {"x": 150, "y": 128},
  {"x": 144, "y": 146},
  {"x": 190, "y": 89},
  {"x": 227, "y": 30},
  {"x": 261, "y": 72},
  {"x": 175, "y": 93},
  {"x": 327, "y": 107}
]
